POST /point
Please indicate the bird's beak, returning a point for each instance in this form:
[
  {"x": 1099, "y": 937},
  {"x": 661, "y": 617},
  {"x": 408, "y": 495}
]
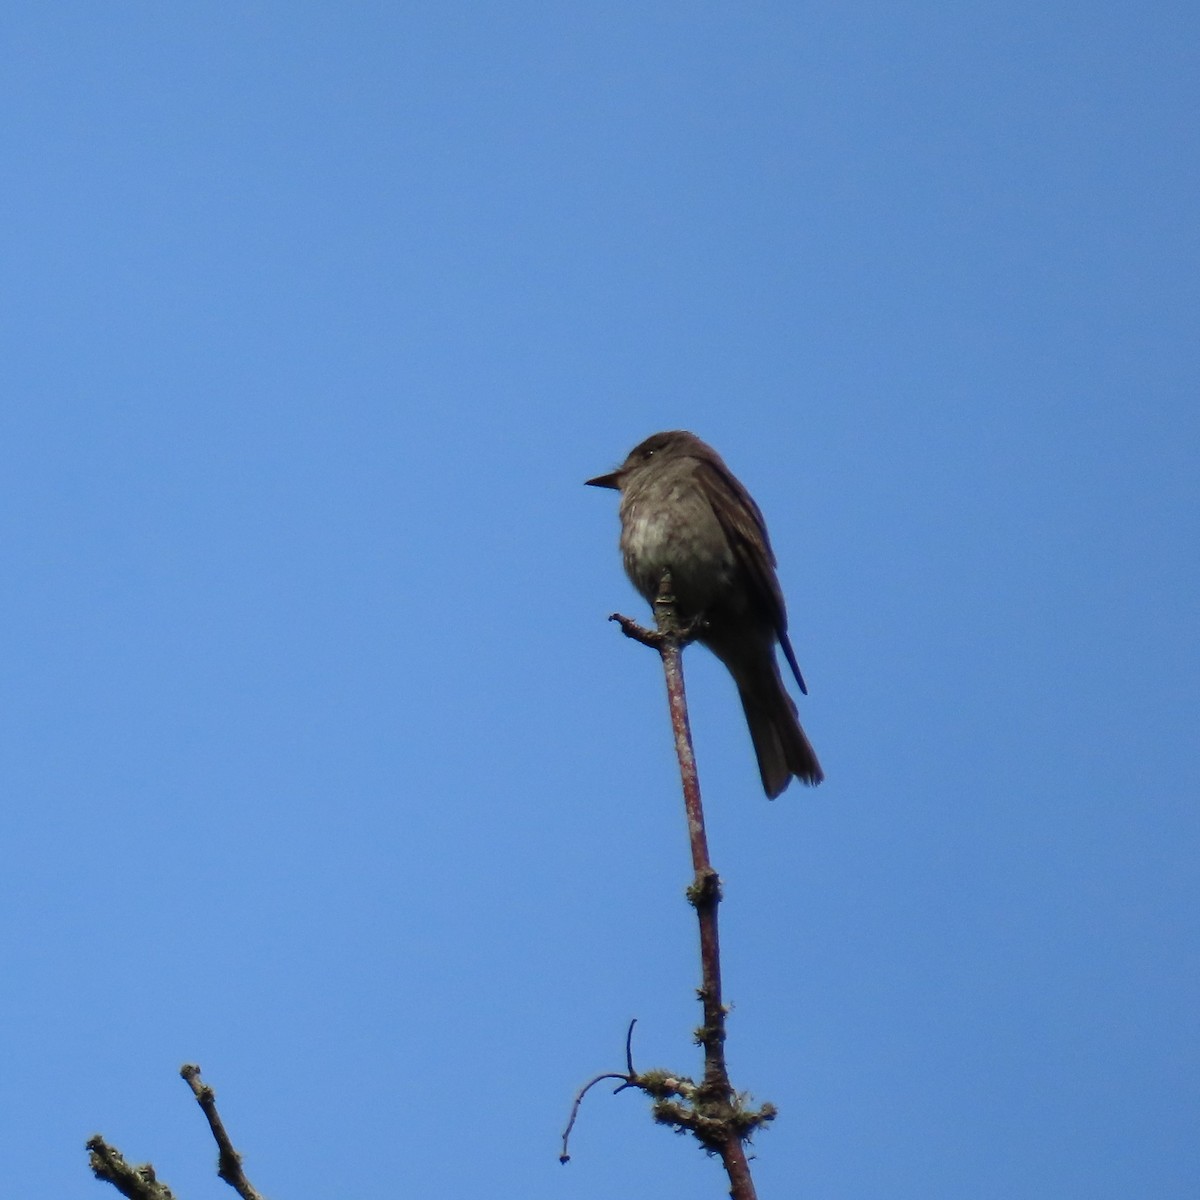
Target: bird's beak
[{"x": 612, "y": 480}]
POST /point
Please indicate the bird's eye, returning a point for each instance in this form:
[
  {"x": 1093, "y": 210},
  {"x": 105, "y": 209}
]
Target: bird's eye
[{"x": 648, "y": 453}]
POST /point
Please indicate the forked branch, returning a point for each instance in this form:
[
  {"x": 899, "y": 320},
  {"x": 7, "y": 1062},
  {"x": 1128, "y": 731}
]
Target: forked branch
[{"x": 141, "y": 1183}]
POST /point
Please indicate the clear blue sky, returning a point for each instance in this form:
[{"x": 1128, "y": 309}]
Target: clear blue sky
[{"x": 320, "y": 764}]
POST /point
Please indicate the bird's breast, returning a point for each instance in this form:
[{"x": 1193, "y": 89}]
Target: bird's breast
[{"x": 677, "y": 532}]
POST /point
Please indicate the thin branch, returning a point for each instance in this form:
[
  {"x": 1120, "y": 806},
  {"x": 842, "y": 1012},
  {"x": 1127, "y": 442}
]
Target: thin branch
[
  {"x": 229, "y": 1164},
  {"x": 565, "y": 1157},
  {"x": 710, "y": 1110},
  {"x": 715, "y": 1099},
  {"x": 628, "y": 1080}
]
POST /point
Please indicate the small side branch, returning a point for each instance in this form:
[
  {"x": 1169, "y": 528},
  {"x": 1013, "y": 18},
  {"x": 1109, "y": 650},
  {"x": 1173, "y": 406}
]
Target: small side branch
[
  {"x": 683, "y": 1105},
  {"x": 629, "y": 1079},
  {"x": 656, "y": 638},
  {"x": 229, "y": 1163},
  {"x": 626, "y": 1081}
]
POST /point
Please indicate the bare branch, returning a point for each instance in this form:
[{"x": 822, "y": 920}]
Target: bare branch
[
  {"x": 138, "y": 1183},
  {"x": 229, "y": 1163},
  {"x": 710, "y": 1110},
  {"x": 565, "y": 1157}
]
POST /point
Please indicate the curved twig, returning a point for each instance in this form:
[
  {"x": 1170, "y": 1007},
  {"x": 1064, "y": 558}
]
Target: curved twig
[{"x": 565, "y": 1157}]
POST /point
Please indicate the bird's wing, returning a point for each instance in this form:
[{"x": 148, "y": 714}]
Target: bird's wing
[{"x": 746, "y": 530}]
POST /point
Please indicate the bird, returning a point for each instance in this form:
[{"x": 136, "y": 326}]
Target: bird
[{"x": 682, "y": 510}]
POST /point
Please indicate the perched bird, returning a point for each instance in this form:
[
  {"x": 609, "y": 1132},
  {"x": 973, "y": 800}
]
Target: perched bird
[{"x": 683, "y": 511}]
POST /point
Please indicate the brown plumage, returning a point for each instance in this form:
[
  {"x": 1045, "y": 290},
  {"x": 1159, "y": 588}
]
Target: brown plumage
[{"x": 683, "y": 510}]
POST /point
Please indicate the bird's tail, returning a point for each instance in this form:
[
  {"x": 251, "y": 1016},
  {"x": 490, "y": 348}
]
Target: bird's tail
[{"x": 781, "y": 745}]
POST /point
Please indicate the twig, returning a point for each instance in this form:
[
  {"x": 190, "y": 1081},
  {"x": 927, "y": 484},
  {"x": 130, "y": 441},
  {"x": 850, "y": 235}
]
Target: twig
[
  {"x": 229, "y": 1163},
  {"x": 629, "y": 1079},
  {"x": 565, "y": 1157}
]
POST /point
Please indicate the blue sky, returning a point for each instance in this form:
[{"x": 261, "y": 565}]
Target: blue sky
[{"x": 322, "y": 766}]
